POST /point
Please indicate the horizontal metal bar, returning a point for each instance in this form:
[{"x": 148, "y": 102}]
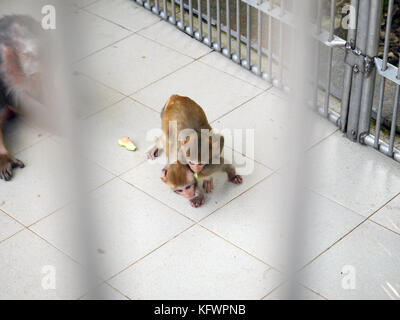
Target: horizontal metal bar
[
  {"x": 369, "y": 140},
  {"x": 390, "y": 73}
]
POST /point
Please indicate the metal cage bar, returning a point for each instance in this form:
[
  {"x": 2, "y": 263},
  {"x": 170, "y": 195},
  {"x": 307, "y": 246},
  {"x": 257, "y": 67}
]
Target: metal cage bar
[
  {"x": 267, "y": 48},
  {"x": 384, "y": 67}
]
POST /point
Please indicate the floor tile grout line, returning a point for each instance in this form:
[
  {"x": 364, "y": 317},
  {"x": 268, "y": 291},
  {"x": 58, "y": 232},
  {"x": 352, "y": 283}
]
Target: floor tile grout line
[
  {"x": 76, "y": 261},
  {"x": 11, "y": 217},
  {"x": 99, "y": 82},
  {"x": 348, "y": 233},
  {"x": 87, "y": 10},
  {"x": 87, "y": 5},
  {"x": 168, "y": 47},
  {"x": 251, "y": 158},
  {"x": 296, "y": 283},
  {"x": 199, "y": 221},
  {"x": 236, "y": 246},
  {"x": 55, "y": 247},
  {"x": 103, "y": 279},
  {"x": 339, "y": 203},
  {"x": 103, "y": 109},
  {"x": 154, "y": 198},
  {"x": 240, "y": 105},
  {"x": 315, "y": 292},
  {"x": 71, "y": 202},
  {"x": 269, "y": 85},
  {"x": 117, "y": 290},
  {"x": 80, "y": 60},
  {"x": 127, "y": 170},
  {"x": 32, "y": 145},
  {"x": 199, "y": 58},
  {"x": 162, "y": 78},
  {"x": 12, "y": 235},
  {"x": 149, "y": 253},
  {"x": 139, "y": 32},
  {"x": 239, "y": 195},
  {"x": 145, "y": 105},
  {"x": 97, "y": 286},
  {"x": 335, "y": 202},
  {"x": 387, "y": 228},
  {"x": 314, "y": 145}
]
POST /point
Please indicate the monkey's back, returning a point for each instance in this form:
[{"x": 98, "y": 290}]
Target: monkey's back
[{"x": 186, "y": 113}]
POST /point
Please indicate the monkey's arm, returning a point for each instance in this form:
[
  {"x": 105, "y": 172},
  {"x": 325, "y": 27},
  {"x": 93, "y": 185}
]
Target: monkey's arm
[
  {"x": 198, "y": 198},
  {"x": 224, "y": 167},
  {"x": 155, "y": 149}
]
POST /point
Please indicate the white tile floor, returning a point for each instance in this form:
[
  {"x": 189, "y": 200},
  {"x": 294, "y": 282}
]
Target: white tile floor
[{"x": 151, "y": 243}]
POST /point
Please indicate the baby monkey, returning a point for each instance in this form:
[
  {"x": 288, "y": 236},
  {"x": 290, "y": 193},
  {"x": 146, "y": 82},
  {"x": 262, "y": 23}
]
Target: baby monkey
[{"x": 188, "y": 139}]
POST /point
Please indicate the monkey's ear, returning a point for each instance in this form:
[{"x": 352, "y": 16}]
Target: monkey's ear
[{"x": 164, "y": 175}]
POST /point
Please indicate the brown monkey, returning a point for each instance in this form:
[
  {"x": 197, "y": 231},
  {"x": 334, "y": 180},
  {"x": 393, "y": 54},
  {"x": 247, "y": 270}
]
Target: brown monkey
[
  {"x": 19, "y": 70},
  {"x": 189, "y": 115}
]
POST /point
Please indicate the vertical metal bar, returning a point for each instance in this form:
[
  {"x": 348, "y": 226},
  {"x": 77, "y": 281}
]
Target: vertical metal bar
[
  {"x": 238, "y": 40},
  {"x": 348, "y": 74},
  {"x": 394, "y": 120},
  {"x": 173, "y": 12},
  {"x": 387, "y": 35},
  {"x": 248, "y": 36},
  {"x": 200, "y": 20},
  {"x": 209, "y": 23},
  {"x": 218, "y": 48},
  {"x": 190, "y": 17},
  {"x": 182, "y": 10},
  {"x": 157, "y": 7},
  {"x": 317, "y": 54},
  {"x": 228, "y": 27},
  {"x": 330, "y": 55},
  {"x": 379, "y": 113},
  {"x": 369, "y": 81},
  {"x": 384, "y": 67},
  {"x": 165, "y": 11},
  {"x": 279, "y": 83},
  {"x": 358, "y": 77},
  {"x": 259, "y": 37},
  {"x": 270, "y": 50}
]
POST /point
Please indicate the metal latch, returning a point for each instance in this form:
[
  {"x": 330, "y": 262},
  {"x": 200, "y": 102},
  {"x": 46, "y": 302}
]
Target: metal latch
[{"x": 359, "y": 61}]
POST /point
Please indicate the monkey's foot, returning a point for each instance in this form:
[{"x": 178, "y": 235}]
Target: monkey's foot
[
  {"x": 208, "y": 185},
  {"x": 153, "y": 153},
  {"x": 235, "y": 178},
  {"x": 7, "y": 164},
  {"x": 197, "y": 201}
]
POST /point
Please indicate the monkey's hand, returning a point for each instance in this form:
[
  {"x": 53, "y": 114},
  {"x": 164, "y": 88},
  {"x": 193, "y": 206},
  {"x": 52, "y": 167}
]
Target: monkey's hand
[
  {"x": 153, "y": 153},
  {"x": 208, "y": 185},
  {"x": 7, "y": 164},
  {"x": 235, "y": 178},
  {"x": 197, "y": 201}
]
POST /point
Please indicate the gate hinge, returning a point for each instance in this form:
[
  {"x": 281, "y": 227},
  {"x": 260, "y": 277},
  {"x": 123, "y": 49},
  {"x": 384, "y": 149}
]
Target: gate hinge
[{"x": 359, "y": 61}]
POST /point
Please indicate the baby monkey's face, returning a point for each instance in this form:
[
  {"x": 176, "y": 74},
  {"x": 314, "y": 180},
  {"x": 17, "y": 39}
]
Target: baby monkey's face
[
  {"x": 181, "y": 180},
  {"x": 188, "y": 191}
]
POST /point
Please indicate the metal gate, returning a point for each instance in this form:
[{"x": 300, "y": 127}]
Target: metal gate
[{"x": 256, "y": 34}]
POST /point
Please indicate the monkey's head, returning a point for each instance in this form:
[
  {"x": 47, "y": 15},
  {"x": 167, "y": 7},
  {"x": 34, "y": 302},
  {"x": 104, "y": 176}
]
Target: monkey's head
[
  {"x": 201, "y": 149},
  {"x": 180, "y": 178}
]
